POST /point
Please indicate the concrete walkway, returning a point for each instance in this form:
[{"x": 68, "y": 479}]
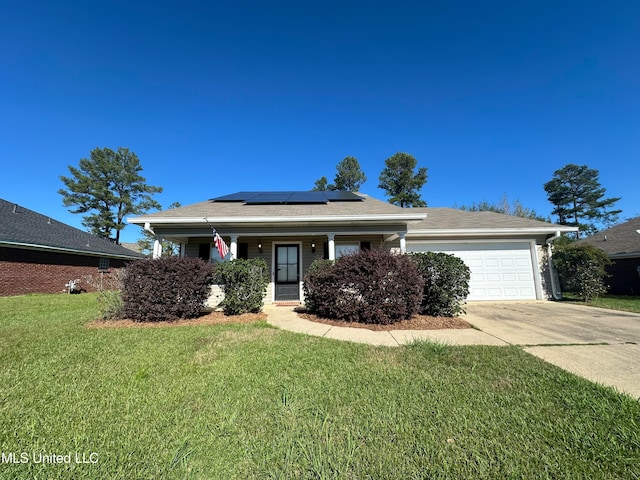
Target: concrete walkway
[{"x": 287, "y": 319}]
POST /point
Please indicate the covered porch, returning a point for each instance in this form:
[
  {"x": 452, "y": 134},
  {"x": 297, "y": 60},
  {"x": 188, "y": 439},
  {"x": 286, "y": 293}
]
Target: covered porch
[{"x": 288, "y": 252}]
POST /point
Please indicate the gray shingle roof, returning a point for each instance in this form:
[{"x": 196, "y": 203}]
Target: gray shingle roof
[
  {"x": 622, "y": 239},
  {"x": 455, "y": 219},
  {"x": 20, "y": 226},
  {"x": 437, "y": 219},
  {"x": 236, "y": 210}
]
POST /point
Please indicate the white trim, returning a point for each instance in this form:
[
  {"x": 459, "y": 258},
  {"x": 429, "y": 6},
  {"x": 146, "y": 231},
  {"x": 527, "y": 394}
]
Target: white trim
[
  {"x": 157, "y": 249},
  {"x": 297, "y": 233},
  {"x": 331, "y": 245},
  {"x": 233, "y": 248},
  {"x": 272, "y": 283},
  {"x": 403, "y": 242},
  {"x": 415, "y": 241},
  {"x": 535, "y": 264},
  {"x": 283, "y": 219},
  {"x": 489, "y": 231}
]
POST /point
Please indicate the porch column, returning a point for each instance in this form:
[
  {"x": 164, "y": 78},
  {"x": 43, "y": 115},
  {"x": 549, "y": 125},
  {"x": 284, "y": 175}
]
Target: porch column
[
  {"x": 157, "y": 249},
  {"x": 234, "y": 247},
  {"x": 403, "y": 242},
  {"x": 332, "y": 246},
  {"x": 183, "y": 250}
]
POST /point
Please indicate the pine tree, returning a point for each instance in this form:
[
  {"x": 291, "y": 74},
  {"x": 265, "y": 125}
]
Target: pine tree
[
  {"x": 578, "y": 197},
  {"x": 108, "y": 186},
  {"x": 401, "y": 183},
  {"x": 349, "y": 176}
]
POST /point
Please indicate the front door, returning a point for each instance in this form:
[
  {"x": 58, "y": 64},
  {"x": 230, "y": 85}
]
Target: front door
[{"x": 287, "y": 273}]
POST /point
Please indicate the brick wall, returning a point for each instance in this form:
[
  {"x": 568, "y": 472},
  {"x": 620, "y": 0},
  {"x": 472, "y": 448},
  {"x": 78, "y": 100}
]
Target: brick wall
[{"x": 25, "y": 271}]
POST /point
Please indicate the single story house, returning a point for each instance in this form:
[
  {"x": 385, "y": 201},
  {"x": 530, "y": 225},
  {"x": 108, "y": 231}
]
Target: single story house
[
  {"x": 41, "y": 255},
  {"x": 622, "y": 245},
  {"x": 507, "y": 255}
]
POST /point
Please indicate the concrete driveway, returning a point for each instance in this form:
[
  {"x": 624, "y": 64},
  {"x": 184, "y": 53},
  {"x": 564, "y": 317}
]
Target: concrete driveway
[{"x": 600, "y": 345}]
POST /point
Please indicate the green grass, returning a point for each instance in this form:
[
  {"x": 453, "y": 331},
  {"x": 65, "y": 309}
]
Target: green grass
[
  {"x": 251, "y": 401},
  {"x": 627, "y": 303}
]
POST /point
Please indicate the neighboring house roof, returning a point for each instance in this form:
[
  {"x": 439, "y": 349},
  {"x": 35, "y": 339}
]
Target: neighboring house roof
[
  {"x": 621, "y": 241},
  {"x": 452, "y": 221},
  {"x": 24, "y": 228},
  {"x": 133, "y": 246}
]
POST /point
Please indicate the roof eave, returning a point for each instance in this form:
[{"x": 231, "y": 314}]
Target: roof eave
[
  {"x": 469, "y": 232},
  {"x": 623, "y": 255},
  {"x": 35, "y": 246},
  {"x": 275, "y": 219}
]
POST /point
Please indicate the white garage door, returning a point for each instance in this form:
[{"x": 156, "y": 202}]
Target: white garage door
[{"x": 499, "y": 271}]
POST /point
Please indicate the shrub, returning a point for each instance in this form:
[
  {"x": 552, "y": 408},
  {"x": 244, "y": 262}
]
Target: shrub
[
  {"x": 109, "y": 288},
  {"x": 167, "y": 288},
  {"x": 446, "y": 283},
  {"x": 581, "y": 269},
  {"x": 319, "y": 287},
  {"x": 244, "y": 283},
  {"x": 370, "y": 286}
]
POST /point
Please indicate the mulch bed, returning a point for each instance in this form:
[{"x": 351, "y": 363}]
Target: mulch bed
[
  {"x": 417, "y": 322},
  {"x": 212, "y": 318}
]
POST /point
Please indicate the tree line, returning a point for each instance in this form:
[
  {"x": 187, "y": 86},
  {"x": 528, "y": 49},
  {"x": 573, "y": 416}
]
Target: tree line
[
  {"x": 399, "y": 179},
  {"x": 108, "y": 186},
  {"x": 574, "y": 191}
]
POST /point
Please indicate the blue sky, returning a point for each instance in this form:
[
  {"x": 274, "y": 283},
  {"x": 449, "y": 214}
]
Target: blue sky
[{"x": 216, "y": 97}]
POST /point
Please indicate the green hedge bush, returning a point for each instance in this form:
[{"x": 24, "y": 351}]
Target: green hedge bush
[
  {"x": 244, "y": 283},
  {"x": 446, "y": 283},
  {"x": 318, "y": 275},
  {"x": 167, "y": 288},
  {"x": 581, "y": 269},
  {"x": 370, "y": 286}
]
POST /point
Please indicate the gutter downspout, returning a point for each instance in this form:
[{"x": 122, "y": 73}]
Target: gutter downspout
[{"x": 556, "y": 294}]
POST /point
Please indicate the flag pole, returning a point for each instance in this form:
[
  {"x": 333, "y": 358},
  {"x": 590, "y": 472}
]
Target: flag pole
[{"x": 219, "y": 243}]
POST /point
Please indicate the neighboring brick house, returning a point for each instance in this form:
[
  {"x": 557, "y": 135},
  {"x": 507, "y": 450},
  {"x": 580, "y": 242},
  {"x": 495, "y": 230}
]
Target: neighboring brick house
[
  {"x": 622, "y": 245},
  {"x": 40, "y": 255}
]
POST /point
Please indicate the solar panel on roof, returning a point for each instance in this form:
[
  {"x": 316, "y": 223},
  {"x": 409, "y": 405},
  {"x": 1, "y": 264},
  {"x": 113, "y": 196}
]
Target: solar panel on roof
[
  {"x": 308, "y": 197},
  {"x": 288, "y": 197},
  {"x": 340, "y": 196},
  {"x": 266, "y": 198},
  {"x": 235, "y": 197}
]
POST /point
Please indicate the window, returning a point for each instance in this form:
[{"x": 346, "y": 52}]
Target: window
[
  {"x": 346, "y": 249},
  {"x": 204, "y": 251},
  {"x": 103, "y": 264},
  {"x": 243, "y": 250}
]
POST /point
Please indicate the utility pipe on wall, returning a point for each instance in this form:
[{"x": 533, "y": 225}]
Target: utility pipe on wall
[{"x": 553, "y": 274}]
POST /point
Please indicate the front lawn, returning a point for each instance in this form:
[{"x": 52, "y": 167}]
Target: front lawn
[
  {"x": 250, "y": 401},
  {"x": 627, "y": 303}
]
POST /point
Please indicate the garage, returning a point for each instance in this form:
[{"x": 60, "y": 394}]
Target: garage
[{"x": 499, "y": 270}]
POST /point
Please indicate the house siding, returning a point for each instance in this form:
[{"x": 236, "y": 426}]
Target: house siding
[
  {"x": 24, "y": 271},
  {"x": 307, "y": 257},
  {"x": 625, "y": 276}
]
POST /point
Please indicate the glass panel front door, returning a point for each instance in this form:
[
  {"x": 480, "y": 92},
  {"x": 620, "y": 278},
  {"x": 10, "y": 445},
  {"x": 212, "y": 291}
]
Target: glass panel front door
[{"x": 287, "y": 272}]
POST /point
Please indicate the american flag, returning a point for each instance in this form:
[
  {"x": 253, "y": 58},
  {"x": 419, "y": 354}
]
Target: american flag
[{"x": 223, "y": 250}]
